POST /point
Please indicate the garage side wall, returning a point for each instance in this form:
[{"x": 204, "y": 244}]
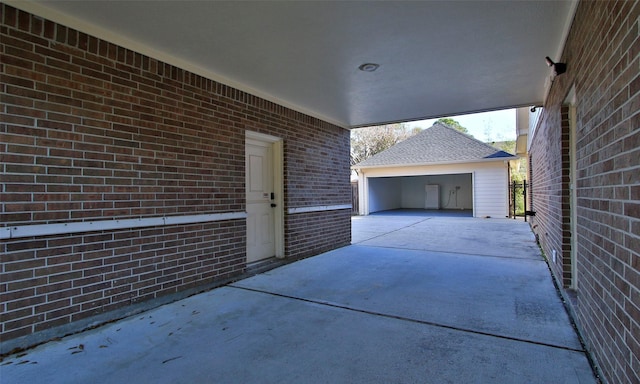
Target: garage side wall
[
  {"x": 602, "y": 59},
  {"x": 123, "y": 180},
  {"x": 384, "y": 194}
]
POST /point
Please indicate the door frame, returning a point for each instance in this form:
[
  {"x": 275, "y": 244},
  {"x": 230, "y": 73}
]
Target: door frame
[{"x": 278, "y": 185}]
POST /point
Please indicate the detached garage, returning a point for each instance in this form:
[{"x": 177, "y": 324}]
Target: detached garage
[{"x": 437, "y": 169}]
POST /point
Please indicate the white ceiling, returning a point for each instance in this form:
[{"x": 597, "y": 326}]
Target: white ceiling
[{"x": 437, "y": 58}]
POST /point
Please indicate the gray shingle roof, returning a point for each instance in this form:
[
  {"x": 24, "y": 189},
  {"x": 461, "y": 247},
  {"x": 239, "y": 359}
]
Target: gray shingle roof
[{"x": 436, "y": 145}]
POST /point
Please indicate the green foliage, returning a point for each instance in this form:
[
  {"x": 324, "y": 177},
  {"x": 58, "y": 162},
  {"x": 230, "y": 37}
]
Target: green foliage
[
  {"x": 518, "y": 174},
  {"x": 453, "y": 124},
  {"x": 507, "y": 146},
  {"x": 519, "y": 191},
  {"x": 517, "y": 168},
  {"x": 518, "y": 171}
]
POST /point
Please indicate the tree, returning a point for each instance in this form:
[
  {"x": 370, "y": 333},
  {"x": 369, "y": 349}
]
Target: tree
[
  {"x": 518, "y": 168},
  {"x": 366, "y": 142},
  {"x": 517, "y": 172},
  {"x": 454, "y": 124},
  {"x": 507, "y": 145}
]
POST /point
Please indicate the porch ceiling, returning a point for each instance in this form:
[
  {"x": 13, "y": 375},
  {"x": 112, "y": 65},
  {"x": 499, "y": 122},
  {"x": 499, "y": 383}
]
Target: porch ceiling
[{"x": 436, "y": 58}]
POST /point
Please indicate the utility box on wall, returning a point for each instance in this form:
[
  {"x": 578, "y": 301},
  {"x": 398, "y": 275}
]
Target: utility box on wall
[{"x": 432, "y": 196}]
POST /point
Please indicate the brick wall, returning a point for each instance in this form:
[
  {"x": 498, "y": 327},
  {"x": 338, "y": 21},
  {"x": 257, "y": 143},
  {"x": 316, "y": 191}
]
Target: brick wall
[
  {"x": 550, "y": 189},
  {"x": 55, "y": 280},
  {"x": 546, "y": 186},
  {"x": 316, "y": 228},
  {"x": 602, "y": 67},
  {"x": 90, "y": 131}
]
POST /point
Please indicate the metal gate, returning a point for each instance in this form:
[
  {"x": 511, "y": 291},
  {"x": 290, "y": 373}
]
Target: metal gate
[{"x": 518, "y": 199}]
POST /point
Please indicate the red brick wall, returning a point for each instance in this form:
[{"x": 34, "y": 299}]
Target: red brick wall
[
  {"x": 316, "y": 228},
  {"x": 92, "y": 131},
  {"x": 547, "y": 171},
  {"x": 54, "y": 280},
  {"x": 602, "y": 56},
  {"x": 550, "y": 189}
]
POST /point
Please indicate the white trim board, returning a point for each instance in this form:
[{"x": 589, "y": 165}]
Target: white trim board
[
  {"x": 14, "y": 232},
  {"x": 320, "y": 208}
]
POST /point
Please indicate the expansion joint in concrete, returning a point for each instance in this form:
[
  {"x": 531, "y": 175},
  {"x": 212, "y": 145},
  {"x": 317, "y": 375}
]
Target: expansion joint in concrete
[{"x": 402, "y": 318}]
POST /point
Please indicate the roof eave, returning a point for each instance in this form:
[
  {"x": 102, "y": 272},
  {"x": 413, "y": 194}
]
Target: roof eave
[{"x": 506, "y": 158}]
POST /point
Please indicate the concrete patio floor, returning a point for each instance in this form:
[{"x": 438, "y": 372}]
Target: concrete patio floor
[{"x": 414, "y": 299}]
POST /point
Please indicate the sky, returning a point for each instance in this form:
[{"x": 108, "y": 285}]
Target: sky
[{"x": 486, "y": 126}]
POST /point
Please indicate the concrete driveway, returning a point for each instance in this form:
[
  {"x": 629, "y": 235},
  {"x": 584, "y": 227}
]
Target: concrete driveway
[{"x": 415, "y": 299}]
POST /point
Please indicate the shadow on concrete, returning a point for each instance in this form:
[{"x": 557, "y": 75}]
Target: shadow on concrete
[{"x": 425, "y": 212}]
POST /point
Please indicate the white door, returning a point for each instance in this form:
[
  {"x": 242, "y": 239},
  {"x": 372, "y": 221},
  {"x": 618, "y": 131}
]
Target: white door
[
  {"x": 432, "y": 196},
  {"x": 260, "y": 200}
]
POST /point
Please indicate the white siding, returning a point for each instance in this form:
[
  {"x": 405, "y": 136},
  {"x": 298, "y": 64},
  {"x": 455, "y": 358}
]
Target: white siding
[{"x": 491, "y": 192}]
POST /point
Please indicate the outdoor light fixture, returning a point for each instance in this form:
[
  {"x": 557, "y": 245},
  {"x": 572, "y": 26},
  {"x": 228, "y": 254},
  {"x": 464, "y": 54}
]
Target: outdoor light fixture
[
  {"x": 558, "y": 68},
  {"x": 369, "y": 67}
]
